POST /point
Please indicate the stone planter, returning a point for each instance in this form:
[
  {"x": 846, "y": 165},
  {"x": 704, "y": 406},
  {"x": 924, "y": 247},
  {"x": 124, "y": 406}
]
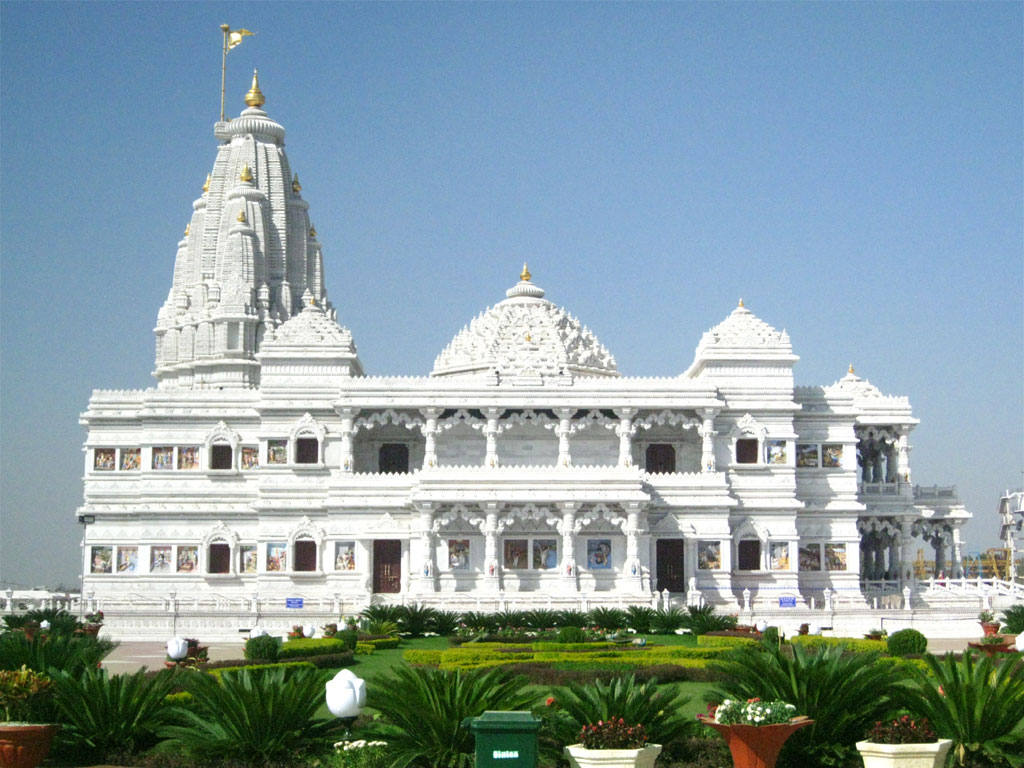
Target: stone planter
[
  {"x": 989, "y": 627},
  {"x": 992, "y": 650},
  {"x": 612, "y": 758},
  {"x": 25, "y": 746},
  {"x": 904, "y": 755},
  {"x": 756, "y": 746},
  {"x": 92, "y": 630}
]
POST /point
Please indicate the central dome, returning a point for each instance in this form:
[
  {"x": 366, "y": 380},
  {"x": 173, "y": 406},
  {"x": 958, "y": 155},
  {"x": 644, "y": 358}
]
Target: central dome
[{"x": 525, "y": 335}]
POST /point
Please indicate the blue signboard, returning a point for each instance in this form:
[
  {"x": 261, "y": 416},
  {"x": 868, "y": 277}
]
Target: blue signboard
[
  {"x": 787, "y": 602},
  {"x": 293, "y": 602}
]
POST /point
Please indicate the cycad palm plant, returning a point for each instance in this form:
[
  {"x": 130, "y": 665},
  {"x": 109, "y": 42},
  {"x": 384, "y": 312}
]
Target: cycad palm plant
[
  {"x": 382, "y": 613},
  {"x": 476, "y": 620},
  {"x": 422, "y": 712},
  {"x": 541, "y": 619},
  {"x": 1013, "y": 619},
  {"x": 844, "y": 693},
  {"x": 608, "y": 619},
  {"x": 975, "y": 701},
  {"x": 445, "y": 623},
  {"x": 702, "y": 619},
  {"x": 639, "y": 617},
  {"x": 415, "y": 620},
  {"x": 570, "y": 618},
  {"x": 665, "y": 622}
]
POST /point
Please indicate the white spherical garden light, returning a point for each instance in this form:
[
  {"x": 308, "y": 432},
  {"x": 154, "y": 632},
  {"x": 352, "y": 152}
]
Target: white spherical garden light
[
  {"x": 309, "y": 630},
  {"x": 177, "y": 648},
  {"x": 346, "y": 694}
]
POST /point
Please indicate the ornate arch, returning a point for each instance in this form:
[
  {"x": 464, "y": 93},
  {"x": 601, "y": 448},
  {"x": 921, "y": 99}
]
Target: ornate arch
[
  {"x": 461, "y": 416},
  {"x": 389, "y": 415},
  {"x": 306, "y": 528},
  {"x": 308, "y": 426},
  {"x": 748, "y": 426},
  {"x": 222, "y": 433},
  {"x": 669, "y": 417},
  {"x": 220, "y": 532},
  {"x": 749, "y": 528}
]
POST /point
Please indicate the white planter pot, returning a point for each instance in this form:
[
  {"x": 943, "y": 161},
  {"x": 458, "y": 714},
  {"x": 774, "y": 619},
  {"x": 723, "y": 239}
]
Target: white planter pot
[
  {"x": 904, "y": 755},
  {"x": 612, "y": 758}
]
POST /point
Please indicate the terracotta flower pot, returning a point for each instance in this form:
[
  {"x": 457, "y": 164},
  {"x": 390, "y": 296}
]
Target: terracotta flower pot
[
  {"x": 756, "y": 746},
  {"x": 25, "y": 746},
  {"x": 904, "y": 755},
  {"x": 989, "y": 627},
  {"x": 92, "y": 629},
  {"x": 644, "y": 757},
  {"x": 992, "y": 650}
]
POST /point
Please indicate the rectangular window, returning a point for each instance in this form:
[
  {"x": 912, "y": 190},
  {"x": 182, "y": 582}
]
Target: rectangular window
[
  {"x": 660, "y": 458},
  {"x": 779, "y": 555},
  {"x": 233, "y": 335},
  {"x": 277, "y": 451},
  {"x": 709, "y": 555},
  {"x": 835, "y": 557},
  {"x": 305, "y": 555},
  {"x": 810, "y": 557},
  {"x": 188, "y": 457},
  {"x": 832, "y": 456},
  {"x": 220, "y": 558},
  {"x": 277, "y": 556},
  {"x": 220, "y": 456},
  {"x": 545, "y": 554},
  {"x": 807, "y": 454},
  {"x": 127, "y": 559},
  {"x": 163, "y": 458},
  {"x": 102, "y": 560},
  {"x": 393, "y": 458},
  {"x": 517, "y": 555},
  {"x": 103, "y": 459},
  {"x": 247, "y": 558},
  {"x": 188, "y": 559},
  {"x": 458, "y": 554},
  {"x": 131, "y": 459},
  {"x": 307, "y": 450},
  {"x": 746, "y": 451},
  {"x": 250, "y": 457},
  {"x": 748, "y": 555}
]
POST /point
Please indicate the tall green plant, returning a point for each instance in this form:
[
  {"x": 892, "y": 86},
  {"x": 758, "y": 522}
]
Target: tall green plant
[
  {"x": 571, "y": 618},
  {"x": 702, "y": 619},
  {"x": 541, "y": 618},
  {"x": 608, "y": 619},
  {"x": 639, "y": 617},
  {"x": 422, "y": 711},
  {"x": 253, "y": 715},
  {"x": 975, "y": 701},
  {"x": 415, "y": 620},
  {"x": 61, "y": 622},
  {"x": 69, "y": 653},
  {"x": 665, "y": 622},
  {"x": 844, "y": 693},
  {"x": 382, "y": 613},
  {"x": 479, "y": 621},
  {"x": 106, "y": 716},
  {"x": 510, "y": 619},
  {"x": 1013, "y": 619},
  {"x": 445, "y": 623}
]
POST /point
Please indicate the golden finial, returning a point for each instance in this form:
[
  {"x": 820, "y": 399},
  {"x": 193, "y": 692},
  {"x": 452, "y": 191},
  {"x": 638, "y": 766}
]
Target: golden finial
[
  {"x": 241, "y": 217},
  {"x": 741, "y": 302},
  {"x": 246, "y": 174},
  {"x": 254, "y": 98},
  {"x": 206, "y": 184},
  {"x": 525, "y": 274},
  {"x": 529, "y": 338},
  {"x": 851, "y": 367},
  {"x": 312, "y": 301},
  {"x": 296, "y": 187},
  {"x": 312, "y": 231},
  {"x": 187, "y": 228}
]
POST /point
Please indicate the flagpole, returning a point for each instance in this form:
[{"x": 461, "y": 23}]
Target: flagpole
[{"x": 223, "y": 68}]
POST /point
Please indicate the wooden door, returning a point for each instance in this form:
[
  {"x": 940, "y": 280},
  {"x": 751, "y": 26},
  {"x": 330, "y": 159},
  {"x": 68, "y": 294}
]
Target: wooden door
[
  {"x": 387, "y": 566},
  {"x": 670, "y": 574}
]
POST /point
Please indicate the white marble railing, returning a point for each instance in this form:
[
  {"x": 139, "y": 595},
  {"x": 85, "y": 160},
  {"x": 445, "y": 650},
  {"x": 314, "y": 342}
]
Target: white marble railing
[{"x": 879, "y": 489}]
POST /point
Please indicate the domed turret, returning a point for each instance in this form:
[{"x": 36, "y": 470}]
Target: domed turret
[
  {"x": 525, "y": 336},
  {"x": 247, "y": 258}
]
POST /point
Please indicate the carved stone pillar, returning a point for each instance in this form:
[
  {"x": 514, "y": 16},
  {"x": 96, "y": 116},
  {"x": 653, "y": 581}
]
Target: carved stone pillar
[
  {"x": 940, "y": 553},
  {"x": 906, "y": 551},
  {"x": 347, "y": 431},
  {"x": 957, "y": 566},
  {"x": 427, "y": 560},
  {"x": 903, "y": 458},
  {"x": 633, "y": 568},
  {"x": 707, "y": 434},
  {"x": 625, "y": 432},
  {"x": 867, "y": 566},
  {"x": 491, "y": 529},
  {"x": 491, "y": 433},
  {"x": 893, "y": 572},
  {"x": 429, "y": 437},
  {"x": 567, "y": 528},
  {"x": 564, "y": 431}
]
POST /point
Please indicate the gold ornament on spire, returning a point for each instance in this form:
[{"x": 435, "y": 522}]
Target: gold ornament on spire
[
  {"x": 241, "y": 217},
  {"x": 741, "y": 302},
  {"x": 525, "y": 274},
  {"x": 255, "y": 98},
  {"x": 296, "y": 187},
  {"x": 312, "y": 231},
  {"x": 851, "y": 368},
  {"x": 206, "y": 184},
  {"x": 187, "y": 228},
  {"x": 246, "y": 174}
]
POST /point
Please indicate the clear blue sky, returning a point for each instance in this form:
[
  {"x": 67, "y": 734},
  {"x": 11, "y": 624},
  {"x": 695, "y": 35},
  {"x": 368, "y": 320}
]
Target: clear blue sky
[{"x": 852, "y": 170}]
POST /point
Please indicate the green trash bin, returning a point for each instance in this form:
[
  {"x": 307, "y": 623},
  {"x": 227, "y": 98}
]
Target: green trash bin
[{"x": 505, "y": 739}]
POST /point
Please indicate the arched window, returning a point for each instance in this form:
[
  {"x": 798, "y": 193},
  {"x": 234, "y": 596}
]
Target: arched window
[
  {"x": 746, "y": 450},
  {"x": 307, "y": 450},
  {"x": 305, "y": 555},
  {"x": 748, "y": 555},
  {"x": 221, "y": 456},
  {"x": 660, "y": 458},
  {"x": 393, "y": 457}
]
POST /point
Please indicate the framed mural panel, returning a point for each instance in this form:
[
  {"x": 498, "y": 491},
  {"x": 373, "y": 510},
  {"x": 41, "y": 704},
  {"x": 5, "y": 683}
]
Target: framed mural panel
[
  {"x": 458, "y": 554},
  {"x": 807, "y": 454},
  {"x": 127, "y": 559},
  {"x": 131, "y": 459},
  {"x": 163, "y": 458},
  {"x": 775, "y": 452},
  {"x": 102, "y": 560},
  {"x": 516, "y": 554},
  {"x": 835, "y": 557},
  {"x": 344, "y": 555},
  {"x": 103, "y": 459},
  {"x": 188, "y": 457},
  {"x": 277, "y": 451},
  {"x": 188, "y": 559},
  {"x": 779, "y": 556},
  {"x": 250, "y": 458},
  {"x": 709, "y": 555},
  {"x": 545, "y": 554},
  {"x": 599, "y": 554},
  {"x": 247, "y": 558},
  {"x": 277, "y": 556},
  {"x": 161, "y": 559},
  {"x": 832, "y": 456},
  {"x": 809, "y": 557}
]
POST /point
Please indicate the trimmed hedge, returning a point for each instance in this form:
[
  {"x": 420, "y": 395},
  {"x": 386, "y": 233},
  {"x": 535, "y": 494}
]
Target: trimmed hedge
[
  {"x": 287, "y": 664},
  {"x": 906, "y": 642},
  {"x": 308, "y": 646},
  {"x": 724, "y": 641},
  {"x": 364, "y": 649},
  {"x": 383, "y": 643},
  {"x": 852, "y": 643}
]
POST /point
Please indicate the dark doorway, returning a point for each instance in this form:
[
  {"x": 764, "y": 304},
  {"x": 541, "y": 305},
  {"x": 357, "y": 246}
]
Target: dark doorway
[
  {"x": 220, "y": 457},
  {"x": 660, "y": 458},
  {"x": 305, "y": 555},
  {"x": 393, "y": 457},
  {"x": 748, "y": 555},
  {"x": 307, "y": 450},
  {"x": 669, "y": 554},
  {"x": 387, "y": 566},
  {"x": 746, "y": 451},
  {"x": 220, "y": 558}
]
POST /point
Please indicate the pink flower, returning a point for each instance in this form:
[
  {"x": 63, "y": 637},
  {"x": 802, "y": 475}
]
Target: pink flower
[{"x": 550, "y": 700}]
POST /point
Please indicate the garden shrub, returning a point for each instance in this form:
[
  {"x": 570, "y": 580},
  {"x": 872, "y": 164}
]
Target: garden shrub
[
  {"x": 771, "y": 635},
  {"x": 70, "y": 653},
  {"x": 665, "y": 622},
  {"x": 61, "y": 621},
  {"x": 906, "y": 642},
  {"x": 415, "y": 620},
  {"x": 541, "y": 619},
  {"x": 365, "y": 649},
  {"x": 255, "y": 667},
  {"x": 264, "y": 647},
  {"x": 566, "y": 647},
  {"x": 432, "y": 658},
  {"x": 385, "y": 642},
  {"x": 571, "y": 618},
  {"x": 309, "y": 646},
  {"x": 349, "y": 637},
  {"x": 445, "y": 623},
  {"x": 725, "y": 641},
  {"x": 859, "y": 645},
  {"x": 608, "y": 619},
  {"x": 572, "y": 635},
  {"x": 702, "y": 619},
  {"x": 509, "y": 619},
  {"x": 332, "y": 660},
  {"x": 377, "y": 613},
  {"x": 638, "y": 618},
  {"x": 1013, "y": 619},
  {"x": 483, "y": 622}
]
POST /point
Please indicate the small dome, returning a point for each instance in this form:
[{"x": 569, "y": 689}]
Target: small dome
[
  {"x": 311, "y": 328},
  {"x": 742, "y": 328},
  {"x": 525, "y": 335}
]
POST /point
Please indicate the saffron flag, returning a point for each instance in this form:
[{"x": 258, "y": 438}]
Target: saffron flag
[{"x": 235, "y": 37}]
